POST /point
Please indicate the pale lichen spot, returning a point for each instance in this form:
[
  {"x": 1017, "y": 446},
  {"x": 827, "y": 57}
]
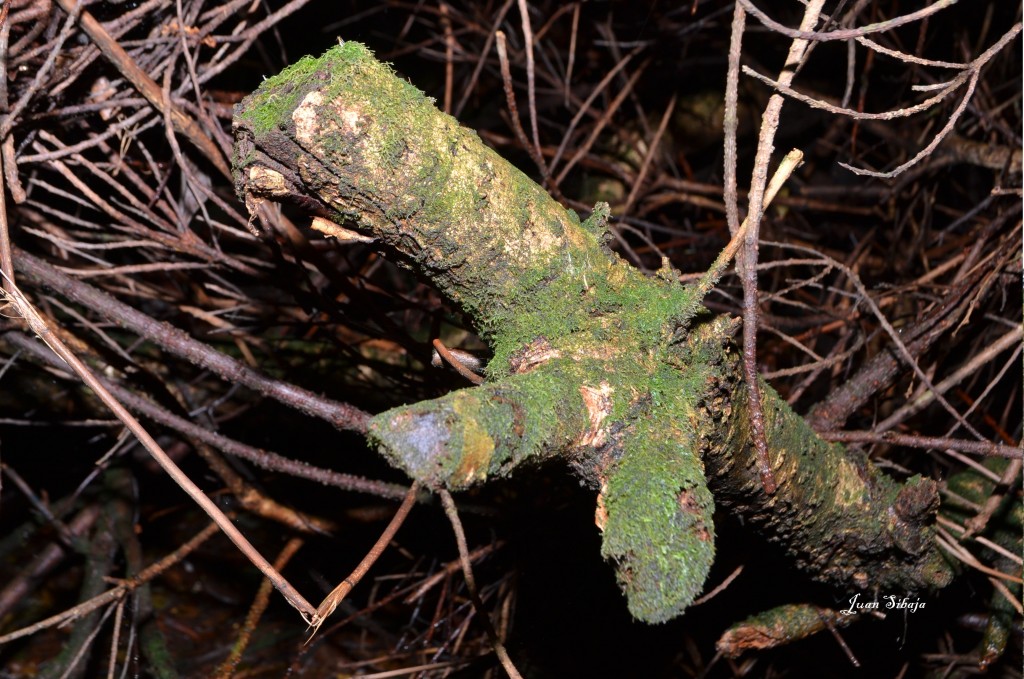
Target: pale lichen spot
[
  {"x": 598, "y": 403},
  {"x": 601, "y": 513},
  {"x": 332, "y": 230},
  {"x": 537, "y": 242},
  {"x": 351, "y": 121},
  {"x": 305, "y": 117},
  {"x": 535, "y": 354},
  {"x": 477, "y": 444},
  {"x": 267, "y": 183},
  {"x": 852, "y": 493}
]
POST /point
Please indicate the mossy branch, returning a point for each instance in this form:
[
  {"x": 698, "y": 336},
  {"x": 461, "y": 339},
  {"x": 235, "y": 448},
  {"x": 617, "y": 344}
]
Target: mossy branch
[{"x": 615, "y": 371}]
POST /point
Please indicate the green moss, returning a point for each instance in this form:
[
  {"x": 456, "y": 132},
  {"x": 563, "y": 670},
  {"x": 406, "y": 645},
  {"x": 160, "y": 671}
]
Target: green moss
[
  {"x": 622, "y": 344},
  {"x": 605, "y": 299},
  {"x": 271, "y": 105},
  {"x": 524, "y": 269},
  {"x": 659, "y": 530},
  {"x": 469, "y": 435}
]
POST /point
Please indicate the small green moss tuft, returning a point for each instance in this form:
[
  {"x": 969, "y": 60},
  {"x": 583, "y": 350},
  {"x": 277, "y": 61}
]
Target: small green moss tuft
[{"x": 597, "y": 222}]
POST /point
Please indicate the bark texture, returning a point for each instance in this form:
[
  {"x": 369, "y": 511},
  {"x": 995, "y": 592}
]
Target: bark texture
[{"x": 624, "y": 375}]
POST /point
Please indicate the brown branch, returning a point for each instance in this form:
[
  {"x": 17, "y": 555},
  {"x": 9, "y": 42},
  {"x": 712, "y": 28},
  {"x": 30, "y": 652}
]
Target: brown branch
[
  {"x": 844, "y": 33},
  {"x": 730, "y": 122},
  {"x": 748, "y": 258},
  {"x": 19, "y": 587},
  {"x": 652, "y": 149},
  {"x": 454, "y": 362},
  {"x": 146, "y": 86},
  {"x": 972, "y": 82},
  {"x": 118, "y": 592},
  {"x": 262, "y": 458},
  {"x": 175, "y": 341},
  {"x": 927, "y": 442},
  {"x": 499, "y": 16},
  {"x": 533, "y": 149},
  {"x": 27, "y": 311},
  {"x": 531, "y": 88},
  {"x": 252, "y": 618},
  {"x": 467, "y": 572},
  {"x": 338, "y": 594}
]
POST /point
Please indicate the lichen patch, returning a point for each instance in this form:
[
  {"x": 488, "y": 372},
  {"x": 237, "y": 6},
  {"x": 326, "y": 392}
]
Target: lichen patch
[
  {"x": 305, "y": 118},
  {"x": 598, "y": 403},
  {"x": 267, "y": 183},
  {"x": 532, "y": 356},
  {"x": 601, "y": 513}
]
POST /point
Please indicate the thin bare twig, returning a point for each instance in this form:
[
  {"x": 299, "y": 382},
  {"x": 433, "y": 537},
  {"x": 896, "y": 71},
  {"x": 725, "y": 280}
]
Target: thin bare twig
[
  {"x": 27, "y": 311},
  {"x": 146, "y": 86},
  {"x": 252, "y": 618},
  {"x": 482, "y": 59},
  {"x": 264, "y": 459},
  {"x": 467, "y": 572},
  {"x": 584, "y": 108},
  {"x": 709, "y": 279},
  {"x": 571, "y": 61},
  {"x": 843, "y": 33},
  {"x": 897, "y": 340},
  {"x": 453, "y": 360},
  {"x": 652, "y": 149},
  {"x": 730, "y": 123},
  {"x": 117, "y": 592},
  {"x": 175, "y": 341},
  {"x": 927, "y": 442},
  {"x": 531, "y": 84},
  {"x": 510, "y": 98},
  {"x": 747, "y": 262},
  {"x": 338, "y": 594},
  {"x": 604, "y": 120}
]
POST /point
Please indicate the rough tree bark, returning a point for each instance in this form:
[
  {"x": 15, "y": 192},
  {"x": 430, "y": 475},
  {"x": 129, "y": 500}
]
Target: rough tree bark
[{"x": 624, "y": 375}]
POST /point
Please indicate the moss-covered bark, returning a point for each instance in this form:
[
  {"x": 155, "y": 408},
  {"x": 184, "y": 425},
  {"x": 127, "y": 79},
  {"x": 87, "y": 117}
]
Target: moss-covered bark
[
  {"x": 778, "y": 627},
  {"x": 593, "y": 361},
  {"x": 836, "y": 514}
]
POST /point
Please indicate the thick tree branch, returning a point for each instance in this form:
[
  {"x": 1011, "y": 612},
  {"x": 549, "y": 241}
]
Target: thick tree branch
[{"x": 623, "y": 375}]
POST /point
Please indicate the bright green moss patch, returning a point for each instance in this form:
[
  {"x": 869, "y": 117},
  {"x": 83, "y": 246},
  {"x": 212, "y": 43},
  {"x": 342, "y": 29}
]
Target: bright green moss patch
[
  {"x": 272, "y": 104},
  {"x": 658, "y": 530},
  {"x": 350, "y": 68}
]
